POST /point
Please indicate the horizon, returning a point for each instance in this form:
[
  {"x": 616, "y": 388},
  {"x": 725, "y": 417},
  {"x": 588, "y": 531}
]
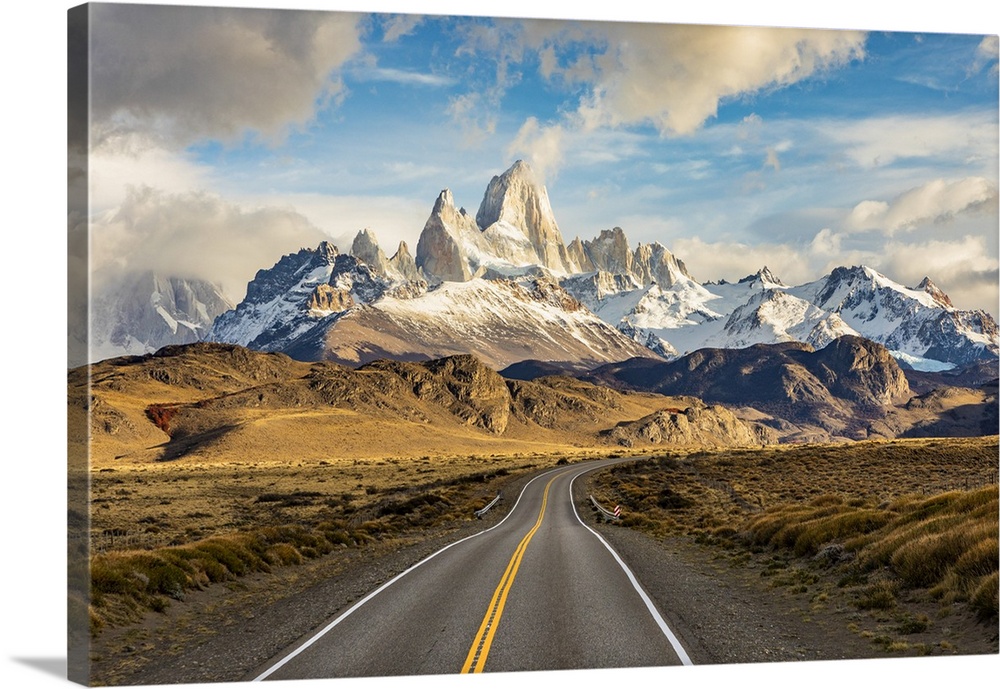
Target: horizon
[{"x": 236, "y": 136}]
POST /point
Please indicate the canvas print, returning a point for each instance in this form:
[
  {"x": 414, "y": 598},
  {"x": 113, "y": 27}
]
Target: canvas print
[{"x": 409, "y": 345}]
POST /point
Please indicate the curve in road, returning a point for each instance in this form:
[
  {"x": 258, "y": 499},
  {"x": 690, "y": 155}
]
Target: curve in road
[{"x": 574, "y": 604}]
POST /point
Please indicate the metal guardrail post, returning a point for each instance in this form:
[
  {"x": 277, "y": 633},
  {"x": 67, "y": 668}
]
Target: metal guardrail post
[
  {"x": 479, "y": 513},
  {"x": 607, "y": 514}
]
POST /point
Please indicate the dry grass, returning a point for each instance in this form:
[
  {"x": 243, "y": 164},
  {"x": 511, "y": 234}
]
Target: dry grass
[
  {"x": 162, "y": 529},
  {"x": 897, "y": 519}
]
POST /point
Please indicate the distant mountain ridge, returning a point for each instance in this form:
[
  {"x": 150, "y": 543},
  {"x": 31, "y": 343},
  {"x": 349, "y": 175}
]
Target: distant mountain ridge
[
  {"x": 139, "y": 312},
  {"x": 504, "y": 285}
]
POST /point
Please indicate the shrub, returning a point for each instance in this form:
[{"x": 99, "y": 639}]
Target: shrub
[
  {"x": 984, "y": 598},
  {"x": 283, "y": 554},
  {"x": 880, "y": 595}
]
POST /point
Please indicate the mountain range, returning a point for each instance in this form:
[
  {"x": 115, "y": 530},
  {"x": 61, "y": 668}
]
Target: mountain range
[{"x": 505, "y": 286}]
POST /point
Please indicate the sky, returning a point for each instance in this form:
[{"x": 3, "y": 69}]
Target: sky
[{"x": 224, "y": 138}]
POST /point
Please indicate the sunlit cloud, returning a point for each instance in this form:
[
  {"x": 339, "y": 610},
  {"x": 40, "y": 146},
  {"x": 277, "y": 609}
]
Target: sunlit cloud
[
  {"x": 932, "y": 202},
  {"x": 881, "y": 141},
  {"x": 674, "y": 77}
]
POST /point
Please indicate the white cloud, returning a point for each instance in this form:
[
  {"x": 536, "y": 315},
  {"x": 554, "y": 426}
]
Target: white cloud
[
  {"x": 340, "y": 217},
  {"x": 399, "y": 25},
  {"x": 963, "y": 267},
  {"x": 400, "y": 76},
  {"x": 675, "y": 76},
  {"x": 196, "y": 235},
  {"x": 826, "y": 244},
  {"x": 734, "y": 260},
  {"x": 935, "y": 201},
  {"x": 476, "y": 123},
  {"x": 540, "y": 146},
  {"x": 987, "y": 54},
  {"x": 771, "y": 159},
  {"x": 132, "y": 160},
  {"x": 878, "y": 142},
  {"x": 672, "y": 77},
  {"x": 181, "y": 74}
]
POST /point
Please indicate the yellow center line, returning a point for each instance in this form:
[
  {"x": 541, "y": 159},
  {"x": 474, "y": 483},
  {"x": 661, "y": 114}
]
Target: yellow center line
[{"x": 476, "y": 659}]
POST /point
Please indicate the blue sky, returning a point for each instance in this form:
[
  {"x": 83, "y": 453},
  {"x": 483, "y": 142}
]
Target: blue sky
[{"x": 801, "y": 149}]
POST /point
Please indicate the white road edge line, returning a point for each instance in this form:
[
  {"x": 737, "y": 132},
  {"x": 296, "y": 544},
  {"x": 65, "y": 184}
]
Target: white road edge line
[
  {"x": 316, "y": 637},
  {"x": 674, "y": 641}
]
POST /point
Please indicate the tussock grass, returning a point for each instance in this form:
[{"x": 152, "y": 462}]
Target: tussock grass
[
  {"x": 126, "y": 584},
  {"x": 284, "y": 527},
  {"x": 945, "y": 543},
  {"x": 896, "y": 518}
]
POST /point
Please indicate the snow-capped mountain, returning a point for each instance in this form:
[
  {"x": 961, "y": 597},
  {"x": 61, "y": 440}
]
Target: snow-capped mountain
[
  {"x": 285, "y": 301},
  {"x": 139, "y": 312},
  {"x": 401, "y": 266},
  {"x": 321, "y": 304},
  {"x": 504, "y": 286},
  {"x": 920, "y": 326},
  {"x": 916, "y": 324},
  {"x": 514, "y": 228},
  {"x": 500, "y": 321}
]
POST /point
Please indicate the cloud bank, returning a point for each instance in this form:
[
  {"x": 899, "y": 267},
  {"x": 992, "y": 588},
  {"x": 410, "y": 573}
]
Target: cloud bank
[
  {"x": 179, "y": 74},
  {"x": 198, "y": 235}
]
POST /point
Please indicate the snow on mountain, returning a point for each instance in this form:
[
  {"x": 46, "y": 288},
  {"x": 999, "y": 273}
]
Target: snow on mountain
[
  {"x": 499, "y": 321},
  {"x": 773, "y": 315},
  {"x": 320, "y": 304},
  {"x": 517, "y": 219},
  {"x": 286, "y": 300},
  {"x": 917, "y": 322},
  {"x": 918, "y": 325},
  {"x": 139, "y": 312},
  {"x": 609, "y": 252},
  {"x": 494, "y": 292},
  {"x": 513, "y": 229}
]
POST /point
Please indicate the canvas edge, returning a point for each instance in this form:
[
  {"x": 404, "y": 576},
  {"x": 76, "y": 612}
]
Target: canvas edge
[{"x": 78, "y": 300}]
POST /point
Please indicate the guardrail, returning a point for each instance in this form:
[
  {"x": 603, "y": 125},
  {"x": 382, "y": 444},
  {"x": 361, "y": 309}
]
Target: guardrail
[
  {"x": 479, "y": 513},
  {"x": 607, "y": 514}
]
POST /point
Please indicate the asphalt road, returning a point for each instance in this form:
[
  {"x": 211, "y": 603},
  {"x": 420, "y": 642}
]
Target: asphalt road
[{"x": 538, "y": 591}]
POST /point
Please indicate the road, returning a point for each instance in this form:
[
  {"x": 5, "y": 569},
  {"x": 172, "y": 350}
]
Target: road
[{"x": 538, "y": 591}]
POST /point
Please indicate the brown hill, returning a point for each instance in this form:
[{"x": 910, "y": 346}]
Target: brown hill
[
  {"x": 213, "y": 402},
  {"x": 839, "y": 389},
  {"x": 698, "y": 425},
  {"x": 852, "y": 388}
]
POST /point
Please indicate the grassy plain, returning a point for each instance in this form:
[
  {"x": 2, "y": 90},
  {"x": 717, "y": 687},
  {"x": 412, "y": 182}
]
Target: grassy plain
[
  {"x": 904, "y": 530},
  {"x": 160, "y": 529}
]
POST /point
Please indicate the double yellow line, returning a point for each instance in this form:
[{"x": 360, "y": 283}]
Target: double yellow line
[{"x": 476, "y": 659}]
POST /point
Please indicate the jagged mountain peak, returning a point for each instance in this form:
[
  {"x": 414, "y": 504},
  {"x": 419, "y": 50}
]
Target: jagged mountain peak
[
  {"x": 366, "y": 248},
  {"x": 365, "y": 238},
  {"x": 509, "y": 196},
  {"x": 764, "y": 276},
  {"x": 610, "y": 251},
  {"x": 326, "y": 250},
  {"x": 517, "y": 221},
  {"x": 926, "y": 285},
  {"x": 654, "y": 263}
]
